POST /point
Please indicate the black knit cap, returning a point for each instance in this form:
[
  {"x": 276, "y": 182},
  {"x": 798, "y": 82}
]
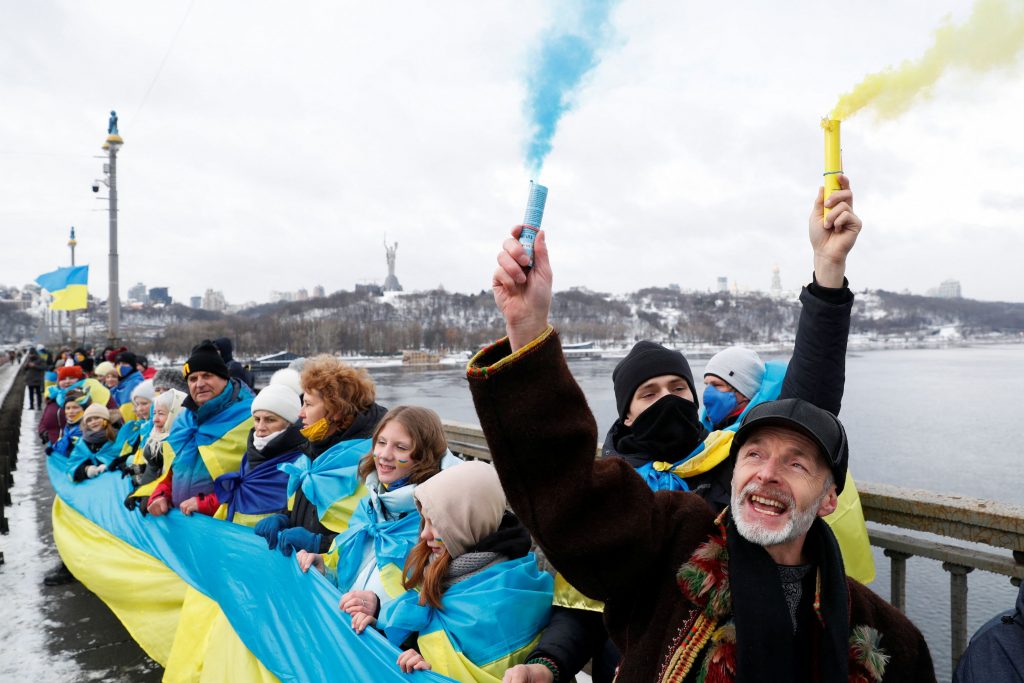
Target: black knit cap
[
  {"x": 644, "y": 361},
  {"x": 820, "y": 426},
  {"x": 206, "y": 358},
  {"x": 128, "y": 358}
]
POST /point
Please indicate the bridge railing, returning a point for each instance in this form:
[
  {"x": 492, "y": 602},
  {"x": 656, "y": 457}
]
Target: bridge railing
[
  {"x": 911, "y": 512},
  {"x": 12, "y": 394}
]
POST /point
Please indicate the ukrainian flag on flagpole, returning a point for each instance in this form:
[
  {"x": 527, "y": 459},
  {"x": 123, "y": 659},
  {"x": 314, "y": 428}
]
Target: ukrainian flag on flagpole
[{"x": 67, "y": 286}]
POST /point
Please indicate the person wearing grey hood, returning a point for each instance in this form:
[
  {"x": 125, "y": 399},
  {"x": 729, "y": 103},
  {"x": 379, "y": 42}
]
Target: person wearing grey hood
[
  {"x": 169, "y": 378},
  {"x": 996, "y": 652}
]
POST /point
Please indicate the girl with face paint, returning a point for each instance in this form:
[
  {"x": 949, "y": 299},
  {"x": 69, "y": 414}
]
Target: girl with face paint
[{"x": 409, "y": 447}]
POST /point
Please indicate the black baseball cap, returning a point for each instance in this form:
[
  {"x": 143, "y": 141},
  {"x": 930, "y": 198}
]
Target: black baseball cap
[{"x": 820, "y": 426}]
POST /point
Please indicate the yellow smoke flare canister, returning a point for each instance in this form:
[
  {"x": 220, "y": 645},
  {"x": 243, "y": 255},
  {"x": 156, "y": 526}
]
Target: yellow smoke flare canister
[{"x": 833, "y": 158}]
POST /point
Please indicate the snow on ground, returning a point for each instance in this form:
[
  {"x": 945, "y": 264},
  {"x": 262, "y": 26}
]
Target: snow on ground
[{"x": 24, "y": 654}]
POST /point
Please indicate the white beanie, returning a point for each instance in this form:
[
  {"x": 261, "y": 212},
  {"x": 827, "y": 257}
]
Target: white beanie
[
  {"x": 289, "y": 378},
  {"x": 104, "y": 369},
  {"x": 741, "y": 368},
  {"x": 144, "y": 390},
  {"x": 279, "y": 400}
]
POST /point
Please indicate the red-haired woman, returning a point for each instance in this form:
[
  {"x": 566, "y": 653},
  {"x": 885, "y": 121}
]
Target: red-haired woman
[{"x": 338, "y": 414}]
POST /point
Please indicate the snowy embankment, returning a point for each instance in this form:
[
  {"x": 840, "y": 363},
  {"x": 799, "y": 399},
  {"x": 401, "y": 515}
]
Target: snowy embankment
[{"x": 24, "y": 655}]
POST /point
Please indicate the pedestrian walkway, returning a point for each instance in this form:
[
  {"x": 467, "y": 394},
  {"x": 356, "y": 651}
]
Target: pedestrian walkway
[{"x": 62, "y": 633}]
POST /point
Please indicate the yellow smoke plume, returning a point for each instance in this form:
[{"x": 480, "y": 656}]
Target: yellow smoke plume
[{"x": 992, "y": 37}]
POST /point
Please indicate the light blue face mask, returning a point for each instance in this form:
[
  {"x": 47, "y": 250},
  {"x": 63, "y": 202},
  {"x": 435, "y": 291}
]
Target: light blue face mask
[{"x": 717, "y": 405}]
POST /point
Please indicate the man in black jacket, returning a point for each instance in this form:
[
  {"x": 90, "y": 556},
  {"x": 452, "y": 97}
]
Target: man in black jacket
[
  {"x": 658, "y": 421},
  {"x": 34, "y": 370},
  {"x": 235, "y": 369}
]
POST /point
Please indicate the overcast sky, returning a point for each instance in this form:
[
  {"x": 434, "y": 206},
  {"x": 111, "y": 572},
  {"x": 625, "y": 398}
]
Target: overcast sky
[{"x": 280, "y": 142}]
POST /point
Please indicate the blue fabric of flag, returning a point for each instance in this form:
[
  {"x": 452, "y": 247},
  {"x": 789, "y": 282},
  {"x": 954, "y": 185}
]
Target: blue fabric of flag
[
  {"x": 62, "y": 278},
  {"x": 255, "y": 490},
  {"x": 329, "y": 478},
  {"x": 287, "y": 619},
  {"x": 392, "y": 540},
  {"x": 475, "y": 612}
]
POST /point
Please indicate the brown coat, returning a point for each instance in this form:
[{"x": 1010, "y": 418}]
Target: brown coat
[{"x": 604, "y": 529}]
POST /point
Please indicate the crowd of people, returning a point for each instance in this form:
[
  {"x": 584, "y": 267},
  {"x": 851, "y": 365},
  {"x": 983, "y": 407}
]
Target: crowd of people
[{"x": 717, "y": 538}]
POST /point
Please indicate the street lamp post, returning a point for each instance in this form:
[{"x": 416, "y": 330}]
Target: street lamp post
[{"x": 111, "y": 146}]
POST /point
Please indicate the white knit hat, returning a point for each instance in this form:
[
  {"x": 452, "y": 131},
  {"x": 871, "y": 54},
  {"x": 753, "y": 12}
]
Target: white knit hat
[
  {"x": 278, "y": 399},
  {"x": 104, "y": 369},
  {"x": 289, "y": 378},
  {"x": 144, "y": 390},
  {"x": 96, "y": 410},
  {"x": 741, "y": 368}
]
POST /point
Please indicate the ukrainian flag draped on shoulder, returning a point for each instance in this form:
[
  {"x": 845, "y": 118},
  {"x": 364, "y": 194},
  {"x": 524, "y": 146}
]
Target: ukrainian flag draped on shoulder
[
  {"x": 488, "y": 622},
  {"x": 392, "y": 540},
  {"x": 68, "y": 287},
  {"x": 98, "y": 393},
  {"x": 210, "y": 441},
  {"x": 331, "y": 482},
  {"x": 81, "y": 454},
  {"x": 143, "y": 567},
  {"x": 132, "y": 436}
]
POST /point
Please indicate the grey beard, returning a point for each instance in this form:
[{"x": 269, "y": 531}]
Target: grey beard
[{"x": 799, "y": 523}]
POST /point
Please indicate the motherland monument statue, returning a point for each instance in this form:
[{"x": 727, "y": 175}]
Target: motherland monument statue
[{"x": 391, "y": 283}]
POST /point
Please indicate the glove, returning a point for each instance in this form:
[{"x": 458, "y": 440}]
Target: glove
[
  {"x": 118, "y": 464},
  {"x": 133, "y": 502},
  {"x": 298, "y": 538},
  {"x": 270, "y": 527},
  {"x": 93, "y": 471}
]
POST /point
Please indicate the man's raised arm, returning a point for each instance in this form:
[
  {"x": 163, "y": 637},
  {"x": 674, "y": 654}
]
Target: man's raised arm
[
  {"x": 597, "y": 522},
  {"x": 817, "y": 370}
]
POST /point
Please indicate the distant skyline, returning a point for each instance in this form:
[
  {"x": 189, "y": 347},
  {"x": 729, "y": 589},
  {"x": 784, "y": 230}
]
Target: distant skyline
[
  {"x": 270, "y": 148},
  {"x": 948, "y": 288}
]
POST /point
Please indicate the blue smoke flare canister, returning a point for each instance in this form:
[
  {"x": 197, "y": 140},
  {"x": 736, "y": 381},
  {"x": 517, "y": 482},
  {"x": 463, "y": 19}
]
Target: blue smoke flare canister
[{"x": 534, "y": 216}]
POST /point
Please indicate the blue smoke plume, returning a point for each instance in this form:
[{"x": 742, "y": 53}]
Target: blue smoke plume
[{"x": 565, "y": 57}]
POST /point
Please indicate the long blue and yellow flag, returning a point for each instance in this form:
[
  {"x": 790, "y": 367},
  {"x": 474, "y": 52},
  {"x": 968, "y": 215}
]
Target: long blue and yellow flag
[
  {"x": 265, "y": 620},
  {"x": 67, "y": 286}
]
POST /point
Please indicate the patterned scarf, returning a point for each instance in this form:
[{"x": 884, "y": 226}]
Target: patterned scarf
[{"x": 707, "y": 644}]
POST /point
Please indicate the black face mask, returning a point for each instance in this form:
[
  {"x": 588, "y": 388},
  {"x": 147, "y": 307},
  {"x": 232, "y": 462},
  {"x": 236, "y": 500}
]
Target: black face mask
[
  {"x": 668, "y": 430},
  {"x": 93, "y": 438}
]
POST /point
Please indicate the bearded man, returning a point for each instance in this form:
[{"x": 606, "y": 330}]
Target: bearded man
[{"x": 757, "y": 592}]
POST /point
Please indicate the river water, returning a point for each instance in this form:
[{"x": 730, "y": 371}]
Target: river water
[{"x": 939, "y": 419}]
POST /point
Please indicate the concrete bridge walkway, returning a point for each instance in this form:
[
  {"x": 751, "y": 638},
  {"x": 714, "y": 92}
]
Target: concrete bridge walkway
[{"x": 62, "y": 633}]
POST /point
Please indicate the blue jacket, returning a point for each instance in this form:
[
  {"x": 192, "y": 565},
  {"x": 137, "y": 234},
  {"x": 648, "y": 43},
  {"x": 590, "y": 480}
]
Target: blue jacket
[
  {"x": 122, "y": 393},
  {"x": 996, "y": 652}
]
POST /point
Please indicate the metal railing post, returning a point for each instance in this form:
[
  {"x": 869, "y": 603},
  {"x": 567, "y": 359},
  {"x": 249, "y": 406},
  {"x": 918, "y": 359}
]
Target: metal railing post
[
  {"x": 898, "y": 578},
  {"x": 957, "y": 609}
]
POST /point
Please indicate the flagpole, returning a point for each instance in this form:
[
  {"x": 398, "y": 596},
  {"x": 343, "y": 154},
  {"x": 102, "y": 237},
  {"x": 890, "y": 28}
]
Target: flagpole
[{"x": 71, "y": 314}]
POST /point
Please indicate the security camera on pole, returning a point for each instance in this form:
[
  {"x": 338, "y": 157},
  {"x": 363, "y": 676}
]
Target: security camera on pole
[{"x": 111, "y": 146}]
